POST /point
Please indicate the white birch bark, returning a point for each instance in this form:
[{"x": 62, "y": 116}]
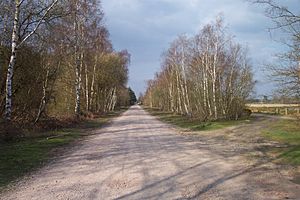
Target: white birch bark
[
  {"x": 14, "y": 47},
  {"x": 178, "y": 92},
  {"x": 151, "y": 101},
  {"x": 13, "y": 57},
  {"x": 184, "y": 85},
  {"x": 114, "y": 100},
  {"x": 93, "y": 81},
  {"x": 44, "y": 97},
  {"x": 206, "y": 82},
  {"x": 77, "y": 70},
  {"x": 87, "y": 92},
  {"x": 170, "y": 88},
  {"x": 78, "y": 56},
  {"x": 214, "y": 77}
]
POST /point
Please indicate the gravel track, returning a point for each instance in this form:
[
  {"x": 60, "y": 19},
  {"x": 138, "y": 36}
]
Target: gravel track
[{"x": 139, "y": 157}]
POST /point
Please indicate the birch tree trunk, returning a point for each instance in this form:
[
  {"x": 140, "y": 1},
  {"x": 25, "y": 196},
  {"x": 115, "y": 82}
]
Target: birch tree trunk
[
  {"x": 77, "y": 69},
  {"x": 114, "y": 100},
  {"x": 44, "y": 97},
  {"x": 184, "y": 85},
  {"x": 93, "y": 87},
  {"x": 87, "y": 93},
  {"x": 214, "y": 77},
  {"x": 186, "y": 110},
  {"x": 203, "y": 84},
  {"x": 206, "y": 83},
  {"x": 93, "y": 82},
  {"x": 178, "y": 92},
  {"x": 10, "y": 70},
  {"x": 16, "y": 42},
  {"x": 170, "y": 87},
  {"x": 151, "y": 103}
]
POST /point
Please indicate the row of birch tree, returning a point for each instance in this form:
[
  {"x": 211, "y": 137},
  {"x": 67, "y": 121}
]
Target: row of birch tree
[
  {"x": 207, "y": 76},
  {"x": 56, "y": 59}
]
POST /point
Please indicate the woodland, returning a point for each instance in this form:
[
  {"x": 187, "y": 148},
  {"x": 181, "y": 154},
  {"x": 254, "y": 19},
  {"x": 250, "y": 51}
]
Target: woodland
[{"x": 57, "y": 62}]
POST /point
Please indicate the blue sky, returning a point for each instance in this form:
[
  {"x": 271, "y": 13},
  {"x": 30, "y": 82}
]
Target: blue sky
[{"x": 147, "y": 27}]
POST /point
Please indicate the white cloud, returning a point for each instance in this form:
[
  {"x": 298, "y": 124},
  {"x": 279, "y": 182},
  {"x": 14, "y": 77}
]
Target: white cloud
[{"x": 146, "y": 27}]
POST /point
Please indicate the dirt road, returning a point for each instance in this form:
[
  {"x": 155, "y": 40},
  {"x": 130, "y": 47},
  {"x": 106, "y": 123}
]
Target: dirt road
[{"x": 139, "y": 157}]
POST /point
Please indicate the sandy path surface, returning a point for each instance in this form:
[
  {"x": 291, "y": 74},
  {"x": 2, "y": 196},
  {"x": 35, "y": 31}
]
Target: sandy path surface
[{"x": 139, "y": 157}]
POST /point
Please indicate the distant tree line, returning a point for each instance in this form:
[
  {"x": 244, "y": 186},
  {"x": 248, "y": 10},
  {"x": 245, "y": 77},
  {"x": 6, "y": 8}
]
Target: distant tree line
[
  {"x": 207, "y": 76},
  {"x": 56, "y": 59}
]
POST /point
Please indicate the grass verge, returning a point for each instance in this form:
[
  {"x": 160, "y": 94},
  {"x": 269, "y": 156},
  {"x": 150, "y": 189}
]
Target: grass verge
[
  {"x": 24, "y": 155},
  {"x": 192, "y": 124},
  {"x": 286, "y": 132}
]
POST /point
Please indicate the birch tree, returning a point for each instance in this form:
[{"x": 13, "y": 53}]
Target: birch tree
[
  {"x": 16, "y": 42},
  {"x": 207, "y": 76}
]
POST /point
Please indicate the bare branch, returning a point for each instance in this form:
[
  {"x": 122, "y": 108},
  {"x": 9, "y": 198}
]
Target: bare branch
[{"x": 39, "y": 23}]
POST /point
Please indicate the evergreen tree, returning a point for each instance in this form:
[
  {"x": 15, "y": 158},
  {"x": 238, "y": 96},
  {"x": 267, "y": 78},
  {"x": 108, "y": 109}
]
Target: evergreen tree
[{"x": 132, "y": 96}]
